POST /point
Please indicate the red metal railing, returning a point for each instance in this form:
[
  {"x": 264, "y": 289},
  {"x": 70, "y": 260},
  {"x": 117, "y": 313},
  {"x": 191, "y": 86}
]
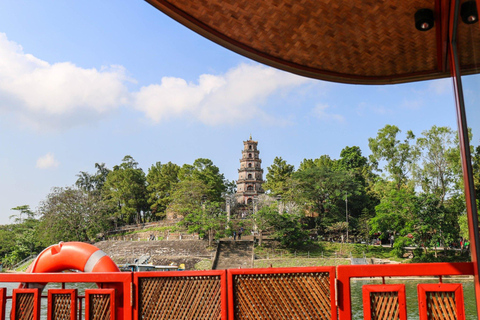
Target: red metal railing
[
  {"x": 300, "y": 293},
  {"x": 181, "y": 295},
  {"x": 282, "y": 293},
  {"x": 346, "y": 273},
  {"x": 120, "y": 281}
]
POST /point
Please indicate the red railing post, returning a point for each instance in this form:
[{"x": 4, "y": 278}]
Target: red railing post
[
  {"x": 180, "y": 295},
  {"x": 469, "y": 188},
  {"x": 121, "y": 281},
  {"x": 3, "y": 300},
  {"x": 346, "y": 273},
  {"x": 302, "y": 292}
]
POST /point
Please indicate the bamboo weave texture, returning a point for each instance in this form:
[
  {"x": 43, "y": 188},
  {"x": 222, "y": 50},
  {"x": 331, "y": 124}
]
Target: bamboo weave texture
[
  {"x": 196, "y": 297},
  {"x": 282, "y": 296},
  {"x": 24, "y": 309},
  {"x": 100, "y": 307},
  {"x": 384, "y": 305},
  {"x": 61, "y": 304},
  {"x": 441, "y": 306}
]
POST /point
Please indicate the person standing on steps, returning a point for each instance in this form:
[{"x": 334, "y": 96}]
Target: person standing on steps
[
  {"x": 234, "y": 235},
  {"x": 240, "y": 233}
]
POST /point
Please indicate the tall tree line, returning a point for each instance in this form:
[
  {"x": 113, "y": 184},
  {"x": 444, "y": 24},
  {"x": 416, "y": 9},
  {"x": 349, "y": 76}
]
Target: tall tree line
[
  {"x": 409, "y": 187},
  {"x": 109, "y": 198}
]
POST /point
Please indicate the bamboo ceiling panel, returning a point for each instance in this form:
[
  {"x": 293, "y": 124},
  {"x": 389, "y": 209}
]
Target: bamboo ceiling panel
[{"x": 352, "y": 41}]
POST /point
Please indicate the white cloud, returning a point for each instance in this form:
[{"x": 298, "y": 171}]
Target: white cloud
[
  {"x": 320, "y": 111},
  {"x": 47, "y": 161},
  {"x": 49, "y": 96},
  {"x": 32, "y": 87},
  {"x": 233, "y": 97}
]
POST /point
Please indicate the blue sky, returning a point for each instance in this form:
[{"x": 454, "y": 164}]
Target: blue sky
[{"x": 92, "y": 81}]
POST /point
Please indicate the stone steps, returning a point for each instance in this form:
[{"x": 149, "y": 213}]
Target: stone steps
[{"x": 234, "y": 254}]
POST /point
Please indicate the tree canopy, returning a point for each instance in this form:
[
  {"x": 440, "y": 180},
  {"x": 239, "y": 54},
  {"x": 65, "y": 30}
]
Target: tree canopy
[{"x": 409, "y": 187}]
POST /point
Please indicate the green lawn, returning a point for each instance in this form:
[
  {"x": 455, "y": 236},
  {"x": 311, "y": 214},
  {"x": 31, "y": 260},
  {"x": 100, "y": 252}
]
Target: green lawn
[{"x": 325, "y": 250}]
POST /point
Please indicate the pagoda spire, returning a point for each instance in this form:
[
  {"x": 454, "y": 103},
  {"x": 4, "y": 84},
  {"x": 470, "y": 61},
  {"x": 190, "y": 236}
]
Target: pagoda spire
[{"x": 250, "y": 174}]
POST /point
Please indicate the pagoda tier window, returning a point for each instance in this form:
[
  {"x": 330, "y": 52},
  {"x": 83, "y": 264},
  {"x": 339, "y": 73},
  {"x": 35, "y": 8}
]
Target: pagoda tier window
[
  {"x": 249, "y": 201},
  {"x": 249, "y": 165},
  {"x": 249, "y": 155},
  {"x": 249, "y": 176},
  {"x": 250, "y": 188}
]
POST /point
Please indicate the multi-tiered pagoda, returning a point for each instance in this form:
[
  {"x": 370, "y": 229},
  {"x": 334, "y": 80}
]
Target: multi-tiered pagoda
[{"x": 250, "y": 174}]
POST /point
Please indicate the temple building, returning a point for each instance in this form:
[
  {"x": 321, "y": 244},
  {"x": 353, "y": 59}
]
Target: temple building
[{"x": 250, "y": 174}]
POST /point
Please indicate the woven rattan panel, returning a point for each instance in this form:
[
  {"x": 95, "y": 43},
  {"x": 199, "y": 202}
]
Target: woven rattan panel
[
  {"x": 282, "y": 296},
  {"x": 61, "y": 305},
  {"x": 366, "y": 38},
  {"x": 24, "y": 308},
  {"x": 468, "y": 45},
  {"x": 384, "y": 305},
  {"x": 441, "y": 306},
  {"x": 99, "y": 307},
  {"x": 196, "y": 297}
]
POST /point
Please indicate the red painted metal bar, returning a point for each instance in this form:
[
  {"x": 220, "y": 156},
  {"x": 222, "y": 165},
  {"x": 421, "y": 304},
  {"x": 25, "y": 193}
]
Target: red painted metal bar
[
  {"x": 137, "y": 276},
  {"x": 104, "y": 314},
  {"x": 121, "y": 281},
  {"x": 3, "y": 300},
  {"x": 455, "y": 288},
  {"x": 345, "y": 273},
  {"x": 469, "y": 188},
  {"x": 266, "y": 271},
  {"x": 19, "y": 311},
  {"x": 382, "y": 288},
  {"x": 73, "y": 302}
]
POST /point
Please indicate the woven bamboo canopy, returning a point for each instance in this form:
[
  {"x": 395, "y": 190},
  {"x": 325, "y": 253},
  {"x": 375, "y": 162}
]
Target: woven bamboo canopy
[{"x": 350, "y": 41}]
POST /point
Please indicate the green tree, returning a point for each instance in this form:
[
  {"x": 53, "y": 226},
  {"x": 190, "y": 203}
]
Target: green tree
[
  {"x": 21, "y": 238},
  {"x": 321, "y": 191},
  {"x": 7, "y": 243},
  {"x": 400, "y": 157},
  {"x": 187, "y": 197},
  {"x": 205, "y": 171},
  {"x": 69, "y": 214},
  {"x": 95, "y": 182},
  {"x": 263, "y": 219},
  {"x": 125, "y": 190},
  {"x": 288, "y": 229},
  {"x": 277, "y": 176},
  {"x": 161, "y": 179},
  {"x": 322, "y": 161},
  {"x": 476, "y": 172},
  {"x": 325, "y": 161},
  {"x": 361, "y": 206},
  {"x": 306, "y": 164},
  {"x": 208, "y": 221},
  {"x": 351, "y": 158},
  {"x": 463, "y": 224},
  {"x": 437, "y": 175},
  {"x": 434, "y": 225},
  {"x": 396, "y": 212}
]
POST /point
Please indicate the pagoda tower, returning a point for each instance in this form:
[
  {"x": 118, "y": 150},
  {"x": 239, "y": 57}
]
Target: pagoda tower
[{"x": 250, "y": 174}]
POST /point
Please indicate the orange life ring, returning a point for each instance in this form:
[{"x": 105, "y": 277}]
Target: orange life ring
[{"x": 79, "y": 256}]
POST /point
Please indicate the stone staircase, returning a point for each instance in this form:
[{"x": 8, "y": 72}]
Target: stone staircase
[{"x": 233, "y": 254}]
